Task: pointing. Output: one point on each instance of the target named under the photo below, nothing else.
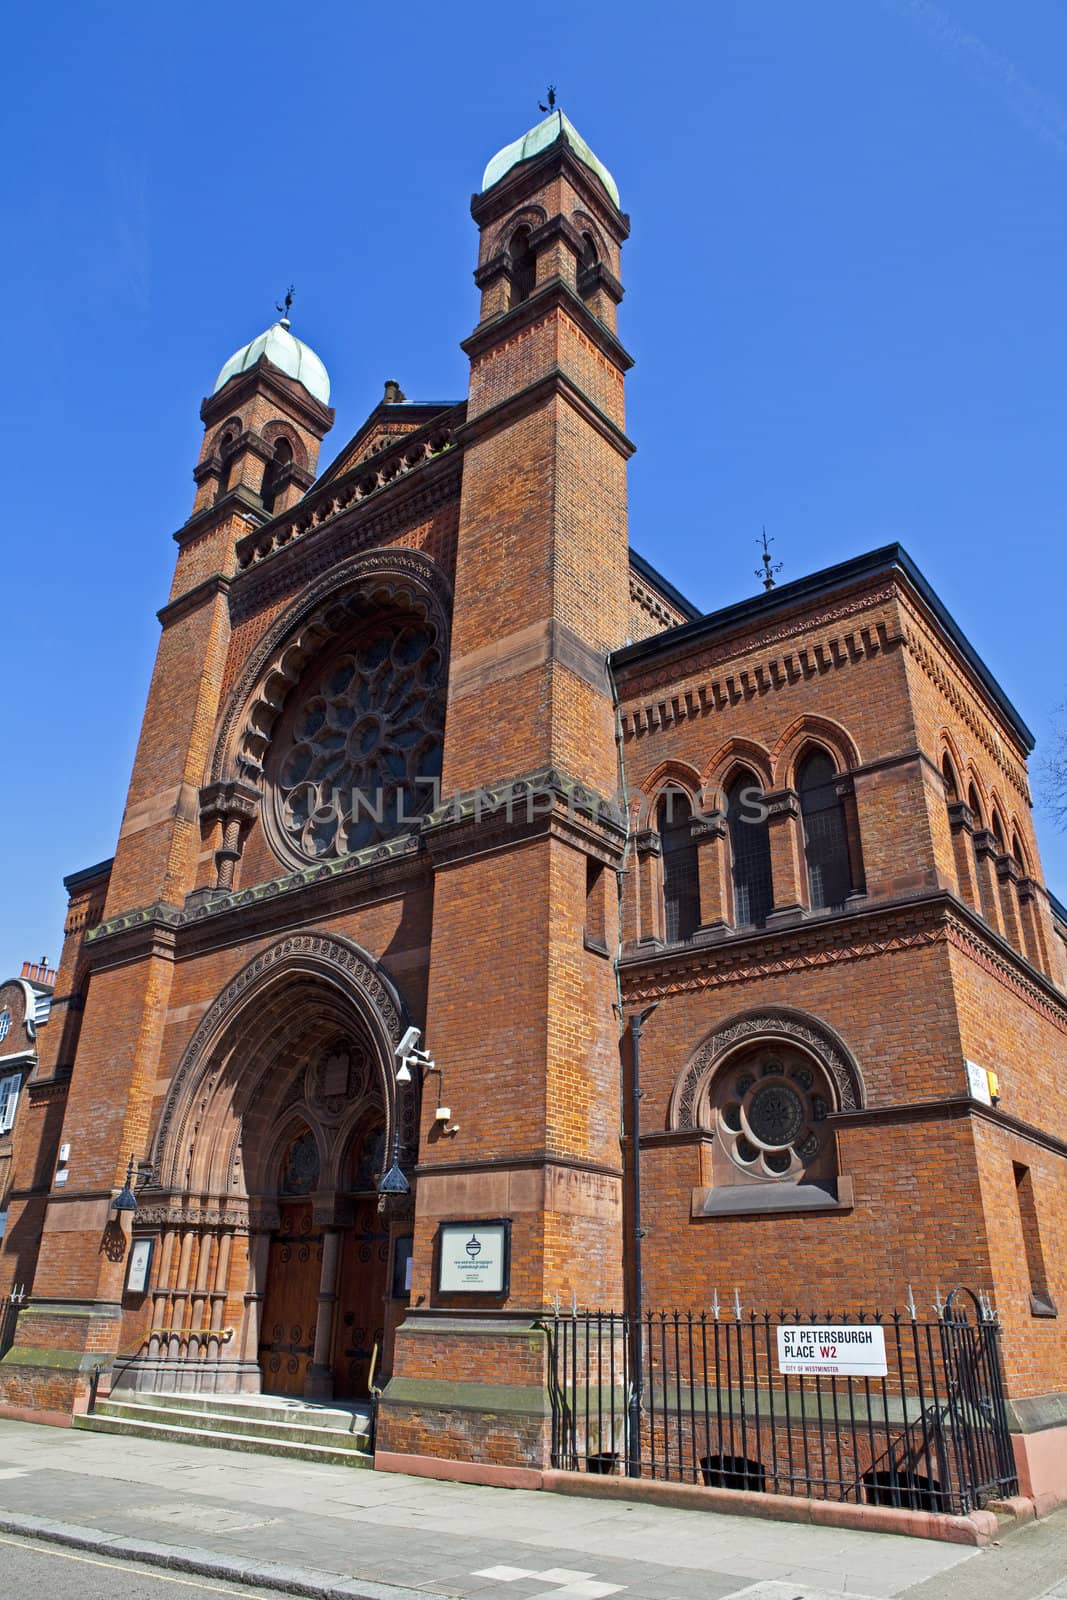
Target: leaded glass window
(825, 836)
(750, 852)
(681, 881)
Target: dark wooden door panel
(360, 1315)
(290, 1306)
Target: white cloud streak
(1040, 113)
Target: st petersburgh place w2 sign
(856, 1351)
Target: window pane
(681, 881)
(825, 839)
(750, 850)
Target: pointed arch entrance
(273, 1255)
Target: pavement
(256, 1524)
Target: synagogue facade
(428, 746)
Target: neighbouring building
(25, 1005)
(394, 707)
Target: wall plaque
(474, 1257)
(140, 1265)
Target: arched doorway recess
(274, 1250)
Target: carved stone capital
(784, 803)
(1009, 870)
(647, 842)
(236, 799)
(711, 826)
(960, 816)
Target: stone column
(845, 789)
(710, 834)
(258, 1256)
(318, 1385)
(986, 852)
(649, 852)
(1037, 925)
(961, 821)
(788, 868)
(1009, 874)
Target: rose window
(359, 748)
(771, 1115)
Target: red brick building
(394, 708)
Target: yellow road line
(45, 1549)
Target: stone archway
(278, 1123)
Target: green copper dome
(291, 356)
(546, 133)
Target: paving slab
(389, 1533)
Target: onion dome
(290, 355)
(555, 126)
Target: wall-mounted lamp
(125, 1200)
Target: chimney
(39, 972)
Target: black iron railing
(716, 1407)
(10, 1306)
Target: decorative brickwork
(455, 599)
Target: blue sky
(845, 296)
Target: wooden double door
(291, 1306)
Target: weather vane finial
(551, 106)
(769, 568)
(284, 308)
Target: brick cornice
(531, 1159)
(553, 296)
(534, 805)
(554, 382)
(279, 905)
(939, 661)
(266, 378)
(933, 917)
(949, 1108)
(200, 594)
(236, 502)
(526, 178)
(645, 711)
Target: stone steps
(269, 1426)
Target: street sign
(854, 1350)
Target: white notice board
(473, 1257)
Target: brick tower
(263, 425)
(520, 994)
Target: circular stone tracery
(769, 1114)
(359, 747)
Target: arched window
(274, 472)
(998, 834)
(523, 266)
(952, 788)
(587, 265)
(750, 852)
(227, 451)
(974, 806)
(825, 833)
(681, 882)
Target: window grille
(681, 879)
(825, 836)
(750, 852)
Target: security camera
(443, 1114)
